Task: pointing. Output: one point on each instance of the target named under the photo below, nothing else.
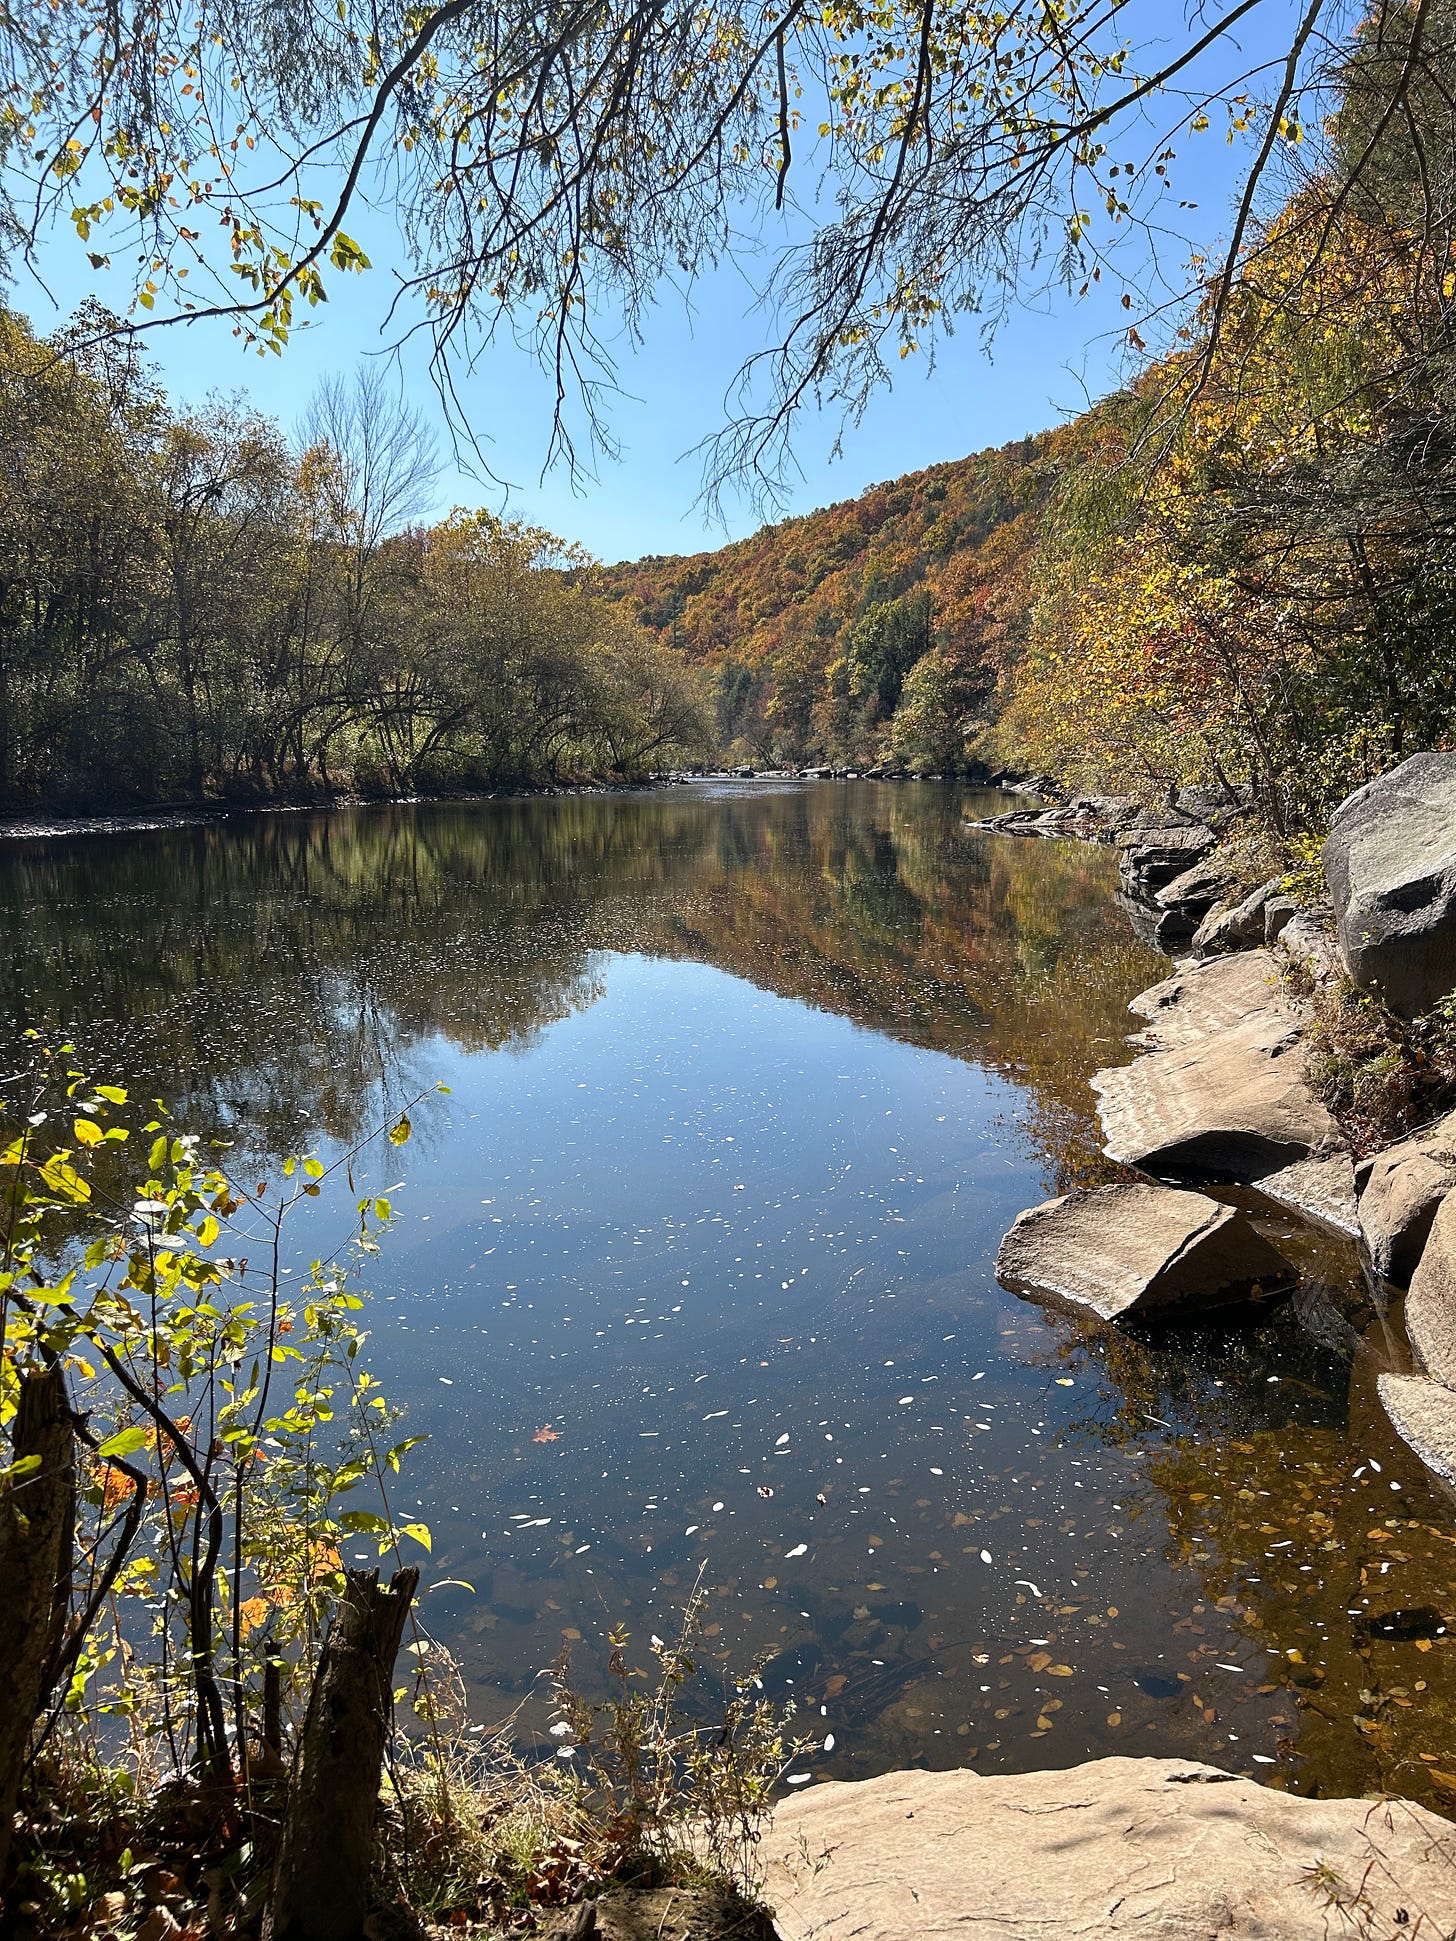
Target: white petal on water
(985, 1556)
(799, 1550)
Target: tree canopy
(552, 165)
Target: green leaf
(207, 1231)
(113, 1094)
(419, 1531)
(125, 1442)
(399, 1133)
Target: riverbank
(42, 823)
(31, 826)
(1234, 1082)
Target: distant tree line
(193, 605)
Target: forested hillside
(1241, 569)
(877, 627)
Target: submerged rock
(1400, 1190)
(1115, 1848)
(1390, 861)
(1220, 1092)
(1140, 1249)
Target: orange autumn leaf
(547, 1434)
(253, 1613)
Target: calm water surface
(693, 1273)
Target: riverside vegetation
(191, 607)
(188, 1451)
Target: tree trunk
(321, 1880)
(37, 1533)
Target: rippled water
(693, 1269)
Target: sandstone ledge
(1159, 1848)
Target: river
(692, 1274)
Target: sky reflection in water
(693, 1268)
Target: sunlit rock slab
(1423, 1414)
(1140, 1249)
(1220, 1091)
(1117, 1847)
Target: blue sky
(1052, 356)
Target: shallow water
(692, 1275)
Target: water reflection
(695, 1272)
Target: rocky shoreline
(1219, 1093)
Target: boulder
(1221, 1091)
(1166, 1849)
(1279, 910)
(1322, 1190)
(1423, 1414)
(1185, 901)
(1196, 888)
(1430, 1306)
(1140, 1249)
(1152, 858)
(1306, 939)
(1238, 926)
(1400, 1190)
(1390, 861)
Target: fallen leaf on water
(1060, 1671)
(1039, 1660)
(835, 1685)
(547, 1434)
(770, 1583)
(1114, 1718)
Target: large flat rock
(1140, 1249)
(1423, 1414)
(1221, 1091)
(1400, 1190)
(1390, 861)
(1162, 1849)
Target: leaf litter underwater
(692, 1276)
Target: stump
(321, 1878)
(37, 1533)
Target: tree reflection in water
(1191, 1547)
